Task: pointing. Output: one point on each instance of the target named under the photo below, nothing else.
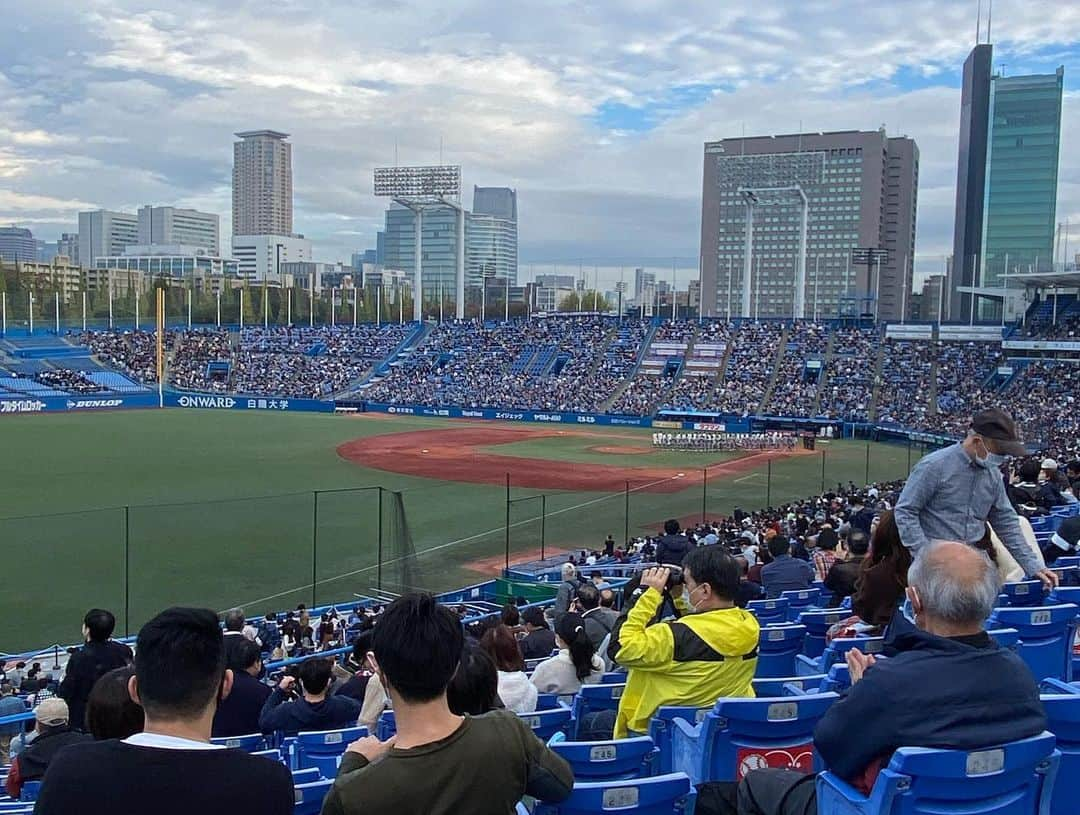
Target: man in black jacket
(53, 734)
(313, 710)
(979, 695)
(95, 659)
(539, 640)
(238, 713)
(673, 545)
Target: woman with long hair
(577, 662)
(516, 691)
(879, 589)
(474, 689)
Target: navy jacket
(86, 666)
(934, 692)
(333, 713)
(238, 714)
(672, 549)
(785, 573)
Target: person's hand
(655, 578)
(857, 663)
(371, 748)
(1048, 577)
(286, 683)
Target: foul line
(447, 545)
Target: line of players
(714, 442)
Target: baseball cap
(1049, 464)
(997, 425)
(52, 712)
(872, 492)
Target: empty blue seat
(774, 686)
(839, 678)
(592, 698)
(386, 726)
(836, 652)
(660, 727)
(800, 600)
(613, 678)
(1063, 720)
(778, 646)
(739, 735)
(546, 723)
(323, 749)
(769, 611)
(1011, 779)
(1046, 637)
(274, 754)
(305, 776)
(817, 625)
(308, 798)
(670, 794)
(550, 701)
(249, 743)
(1068, 560)
(608, 760)
(1024, 593)
(1005, 637)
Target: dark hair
(589, 596)
(890, 559)
(1029, 470)
(360, 647)
(474, 688)
(743, 564)
(510, 615)
(111, 713)
(858, 543)
(418, 646)
(671, 527)
(243, 656)
(502, 646)
(571, 630)
(607, 598)
(100, 624)
(779, 545)
(315, 675)
(712, 565)
(179, 662)
(534, 616)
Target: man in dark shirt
(539, 640)
(673, 545)
(844, 573)
(234, 633)
(785, 573)
(748, 589)
(238, 713)
(170, 768)
(313, 710)
(95, 659)
(438, 761)
(52, 735)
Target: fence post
(543, 522)
(909, 454)
(823, 472)
(127, 571)
(768, 485)
(314, 546)
(867, 480)
(378, 573)
(508, 521)
(704, 492)
(626, 515)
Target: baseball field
(138, 510)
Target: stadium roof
(1067, 279)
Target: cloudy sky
(595, 111)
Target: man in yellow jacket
(695, 660)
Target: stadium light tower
(776, 197)
(419, 189)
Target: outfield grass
(220, 511)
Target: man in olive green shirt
(439, 763)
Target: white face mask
(686, 595)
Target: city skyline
(603, 145)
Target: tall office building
(17, 244)
(644, 282)
(1006, 184)
(103, 233)
(262, 257)
(857, 189)
(262, 184)
(555, 281)
(68, 246)
(491, 249)
(186, 227)
(498, 201)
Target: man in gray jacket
(567, 592)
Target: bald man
(949, 685)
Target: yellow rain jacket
(691, 661)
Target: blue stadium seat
(661, 795)
(660, 727)
(249, 743)
(1024, 593)
(744, 734)
(1063, 720)
(613, 678)
(308, 798)
(838, 680)
(608, 760)
(592, 698)
(323, 749)
(273, 755)
(837, 652)
(30, 791)
(774, 686)
(546, 723)
(305, 776)
(1006, 637)
(769, 611)
(800, 600)
(386, 726)
(817, 625)
(1012, 779)
(1046, 637)
(778, 645)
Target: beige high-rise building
(262, 184)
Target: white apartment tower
(262, 184)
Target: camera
(675, 576)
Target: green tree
(584, 301)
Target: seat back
(777, 647)
(1063, 720)
(274, 754)
(608, 760)
(800, 600)
(839, 678)
(670, 794)
(386, 726)
(1012, 779)
(769, 611)
(249, 743)
(613, 678)
(1024, 593)
(660, 727)
(1005, 637)
(774, 686)
(1046, 637)
(323, 749)
(305, 776)
(546, 723)
(308, 798)
(817, 625)
(30, 791)
(592, 698)
(549, 701)
(740, 735)
(837, 649)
